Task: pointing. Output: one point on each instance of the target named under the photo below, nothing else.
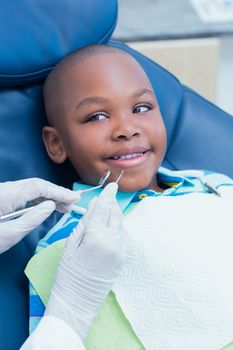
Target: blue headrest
(39, 35)
(35, 35)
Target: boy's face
(111, 120)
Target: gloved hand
(86, 272)
(15, 194)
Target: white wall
(225, 75)
(206, 65)
(195, 62)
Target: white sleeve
(53, 333)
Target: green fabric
(228, 347)
(110, 330)
(42, 267)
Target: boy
(172, 294)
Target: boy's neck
(157, 188)
(156, 185)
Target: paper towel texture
(176, 287)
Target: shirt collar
(167, 175)
(124, 198)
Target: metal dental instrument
(119, 177)
(80, 210)
(21, 212)
(101, 182)
(15, 214)
(80, 238)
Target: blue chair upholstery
(39, 35)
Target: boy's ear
(53, 144)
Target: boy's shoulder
(215, 178)
(193, 180)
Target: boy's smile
(128, 157)
(110, 120)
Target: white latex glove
(15, 195)
(86, 273)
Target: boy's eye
(142, 108)
(96, 117)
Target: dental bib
(176, 286)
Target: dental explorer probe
(21, 212)
(80, 210)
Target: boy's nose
(125, 129)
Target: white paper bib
(176, 287)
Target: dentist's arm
(84, 277)
(15, 195)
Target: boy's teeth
(128, 156)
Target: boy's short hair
(53, 87)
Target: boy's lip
(128, 157)
(127, 151)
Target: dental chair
(34, 36)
